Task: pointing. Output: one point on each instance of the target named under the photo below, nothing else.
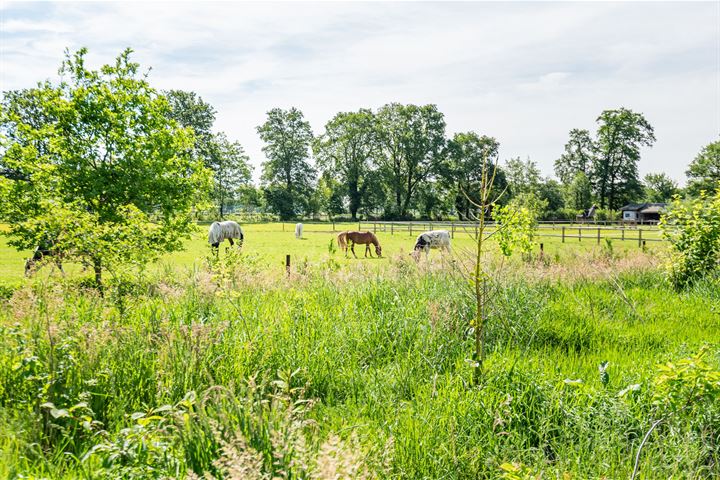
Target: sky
(525, 73)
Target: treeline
(397, 162)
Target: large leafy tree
(704, 170)
(287, 174)
(659, 187)
(577, 158)
(346, 149)
(621, 135)
(188, 109)
(411, 143)
(100, 170)
(578, 195)
(231, 168)
(523, 177)
(467, 153)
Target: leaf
(137, 415)
(59, 413)
(630, 388)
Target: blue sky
(525, 73)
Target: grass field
(359, 368)
(272, 241)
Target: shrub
(693, 229)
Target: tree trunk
(97, 267)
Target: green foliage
(693, 229)
(462, 171)
(346, 150)
(614, 174)
(287, 176)
(517, 224)
(411, 140)
(578, 194)
(578, 157)
(659, 188)
(523, 177)
(104, 174)
(687, 384)
(704, 171)
(231, 168)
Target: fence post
(392, 228)
(333, 226)
(639, 237)
(452, 229)
(598, 235)
(623, 233)
(287, 264)
(542, 249)
(374, 227)
(563, 234)
(580, 234)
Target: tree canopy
(287, 176)
(99, 167)
(704, 171)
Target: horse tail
(341, 240)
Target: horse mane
(374, 239)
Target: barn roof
(643, 207)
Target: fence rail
(565, 231)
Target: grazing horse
(433, 239)
(298, 230)
(227, 230)
(362, 238)
(587, 214)
(45, 249)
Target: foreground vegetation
(231, 371)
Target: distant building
(642, 212)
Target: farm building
(642, 212)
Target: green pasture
(271, 242)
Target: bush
(693, 229)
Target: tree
(231, 170)
(346, 150)
(287, 175)
(578, 195)
(467, 154)
(659, 187)
(614, 175)
(523, 177)
(189, 110)
(112, 180)
(704, 170)
(578, 156)
(411, 141)
(551, 192)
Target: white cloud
(525, 73)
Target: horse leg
(231, 242)
(367, 249)
(352, 248)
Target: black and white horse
(439, 239)
(227, 230)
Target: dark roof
(635, 207)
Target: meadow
(231, 368)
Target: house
(642, 212)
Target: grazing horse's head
(378, 250)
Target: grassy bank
(353, 371)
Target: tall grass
(230, 373)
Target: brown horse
(362, 238)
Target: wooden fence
(563, 231)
